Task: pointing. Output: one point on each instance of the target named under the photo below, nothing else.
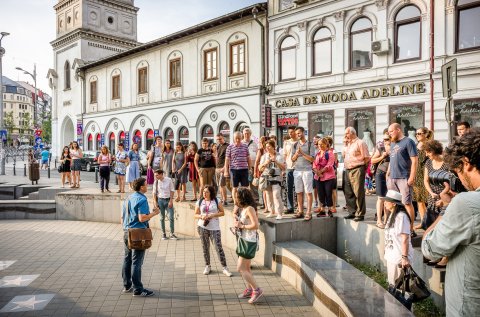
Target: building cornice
(94, 36)
(107, 3)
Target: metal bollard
(48, 171)
(116, 179)
(14, 171)
(55, 163)
(96, 174)
(25, 170)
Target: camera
(439, 177)
(271, 172)
(206, 222)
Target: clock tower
(86, 31)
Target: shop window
(175, 73)
(89, 142)
(149, 134)
(363, 120)
(116, 87)
(137, 138)
(288, 62)
(111, 142)
(408, 34)
(360, 44)
(224, 129)
(121, 139)
(468, 25)
(322, 52)
(284, 121)
(210, 64)
(183, 135)
(468, 111)
(207, 132)
(240, 126)
(98, 143)
(237, 58)
(410, 118)
(168, 135)
(320, 124)
(66, 72)
(142, 80)
(93, 91)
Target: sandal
(380, 225)
(334, 210)
(419, 226)
(298, 215)
(308, 218)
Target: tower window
(110, 20)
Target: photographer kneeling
(457, 233)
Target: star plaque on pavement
(17, 280)
(27, 303)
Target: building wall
(301, 22)
(20, 103)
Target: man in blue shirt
(45, 155)
(135, 214)
(402, 168)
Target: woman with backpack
(208, 210)
(154, 159)
(179, 169)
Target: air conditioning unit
(381, 47)
(298, 2)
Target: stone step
(50, 192)
(27, 209)
(33, 196)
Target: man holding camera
(457, 234)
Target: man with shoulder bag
(135, 217)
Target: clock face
(285, 4)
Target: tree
(9, 124)
(47, 129)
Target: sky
(31, 24)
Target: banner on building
(156, 133)
(102, 139)
(267, 116)
(127, 140)
(285, 120)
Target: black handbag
(60, 168)
(409, 288)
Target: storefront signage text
(371, 93)
(285, 120)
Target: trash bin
(34, 172)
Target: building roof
(229, 17)
(8, 82)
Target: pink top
(105, 159)
(321, 162)
(356, 154)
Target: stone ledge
(28, 209)
(334, 287)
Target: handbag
(410, 282)
(60, 168)
(255, 182)
(139, 238)
(246, 249)
(150, 176)
(262, 183)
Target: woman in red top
(192, 171)
(324, 176)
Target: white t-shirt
(278, 171)
(209, 207)
(393, 239)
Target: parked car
(89, 160)
(340, 169)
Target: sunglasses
(419, 133)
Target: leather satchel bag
(246, 249)
(139, 238)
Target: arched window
(121, 138)
(468, 25)
(207, 132)
(240, 126)
(360, 44)
(408, 34)
(98, 142)
(137, 138)
(111, 142)
(89, 142)
(322, 52)
(149, 134)
(224, 129)
(66, 72)
(288, 58)
(183, 135)
(168, 135)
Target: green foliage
(9, 124)
(47, 129)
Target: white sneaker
(227, 272)
(207, 270)
(279, 217)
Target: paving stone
(80, 262)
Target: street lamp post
(2, 151)
(34, 76)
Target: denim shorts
(239, 177)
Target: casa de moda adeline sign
(351, 95)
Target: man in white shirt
(163, 190)
(287, 154)
(252, 149)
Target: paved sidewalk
(73, 268)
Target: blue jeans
(290, 191)
(132, 267)
(163, 204)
